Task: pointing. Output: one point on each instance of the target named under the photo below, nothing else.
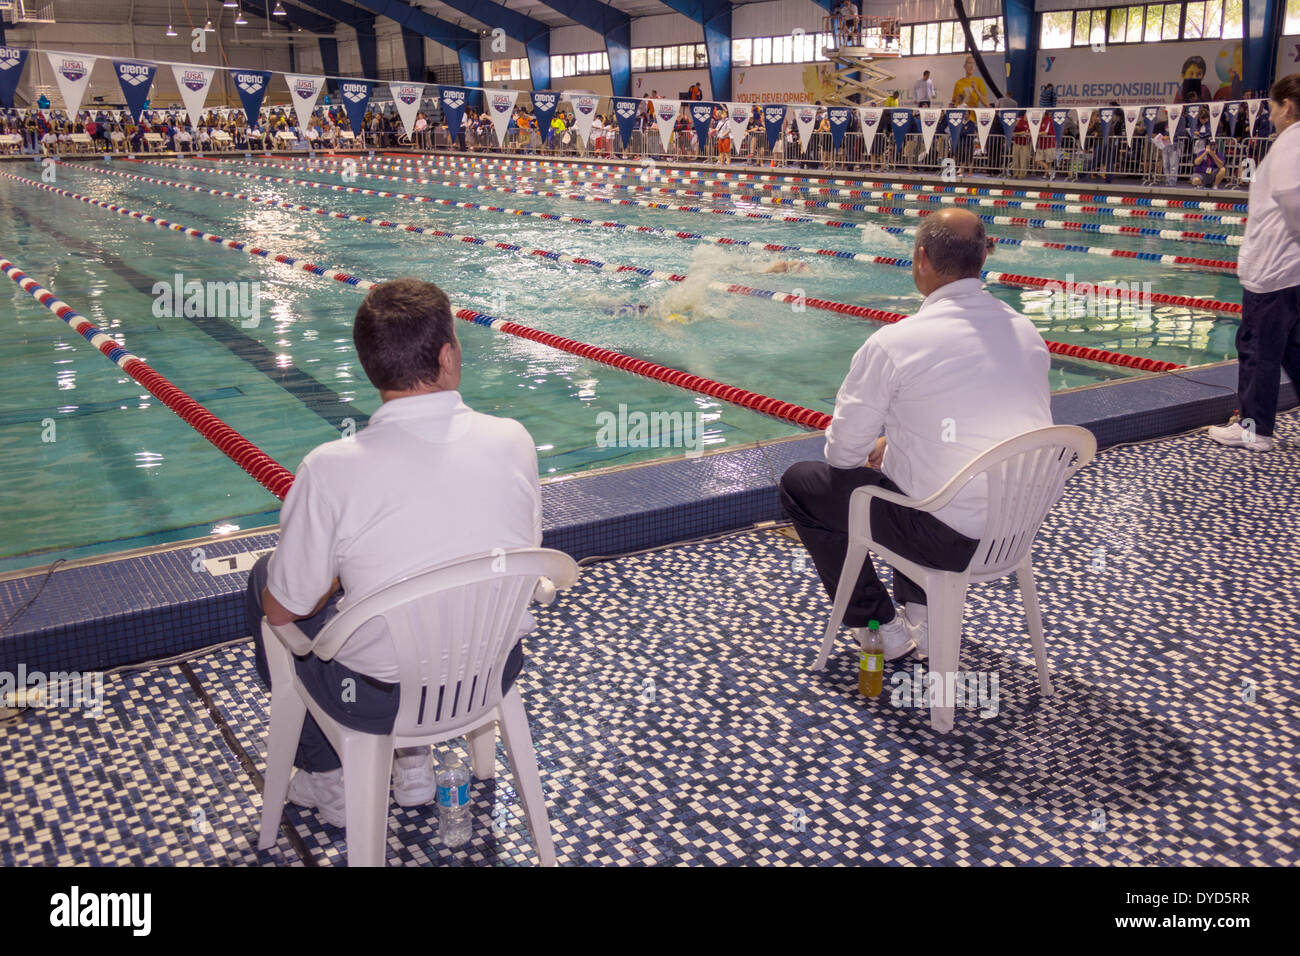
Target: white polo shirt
(963, 373)
(924, 91)
(1269, 258)
(427, 481)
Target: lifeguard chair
(859, 44)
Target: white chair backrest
(452, 628)
(1026, 476)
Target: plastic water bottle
(454, 823)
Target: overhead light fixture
(240, 21)
(170, 32)
(231, 4)
(279, 10)
(208, 27)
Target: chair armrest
(292, 637)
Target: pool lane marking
(465, 169)
(633, 167)
(267, 471)
(1214, 265)
(764, 404)
(1008, 279)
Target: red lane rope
(268, 472)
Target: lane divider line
(764, 404)
(273, 476)
(1008, 279)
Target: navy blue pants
(816, 497)
(369, 705)
(1268, 340)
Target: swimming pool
(95, 464)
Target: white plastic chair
(452, 628)
(1026, 476)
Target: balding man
(963, 373)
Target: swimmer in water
(787, 265)
(644, 308)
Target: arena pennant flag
(805, 118)
(303, 91)
(956, 125)
(407, 97)
(929, 124)
(11, 71)
(738, 121)
(838, 117)
(901, 120)
(1059, 119)
(869, 119)
(453, 108)
(773, 123)
(1149, 116)
(983, 124)
(1009, 119)
(584, 112)
(1035, 118)
(1131, 116)
(1106, 117)
(194, 83)
(501, 107)
(136, 79)
(702, 119)
(665, 112)
(1216, 114)
(72, 73)
(1085, 117)
(1234, 110)
(544, 104)
(625, 111)
(356, 97)
(252, 89)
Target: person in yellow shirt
(970, 89)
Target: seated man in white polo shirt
(963, 373)
(427, 481)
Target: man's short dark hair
(955, 253)
(399, 332)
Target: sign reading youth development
(11, 71)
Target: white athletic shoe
(322, 792)
(898, 638)
(413, 783)
(920, 632)
(1234, 436)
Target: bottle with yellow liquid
(871, 662)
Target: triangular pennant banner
(584, 113)
(901, 121)
(1175, 111)
(984, 123)
(452, 99)
(838, 117)
(1059, 119)
(1131, 116)
(1085, 117)
(869, 119)
(1252, 107)
(738, 120)
(136, 79)
(194, 83)
(501, 109)
(252, 89)
(11, 71)
(356, 97)
(303, 91)
(72, 73)
(805, 118)
(1106, 117)
(1216, 114)
(956, 126)
(544, 104)
(626, 109)
(929, 124)
(665, 112)
(702, 120)
(1009, 119)
(1035, 118)
(773, 123)
(407, 97)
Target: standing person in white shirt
(1268, 267)
(924, 90)
(426, 482)
(965, 372)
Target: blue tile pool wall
(103, 615)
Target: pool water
(95, 464)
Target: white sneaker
(1234, 436)
(920, 632)
(413, 782)
(322, 792)
(898, 639)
